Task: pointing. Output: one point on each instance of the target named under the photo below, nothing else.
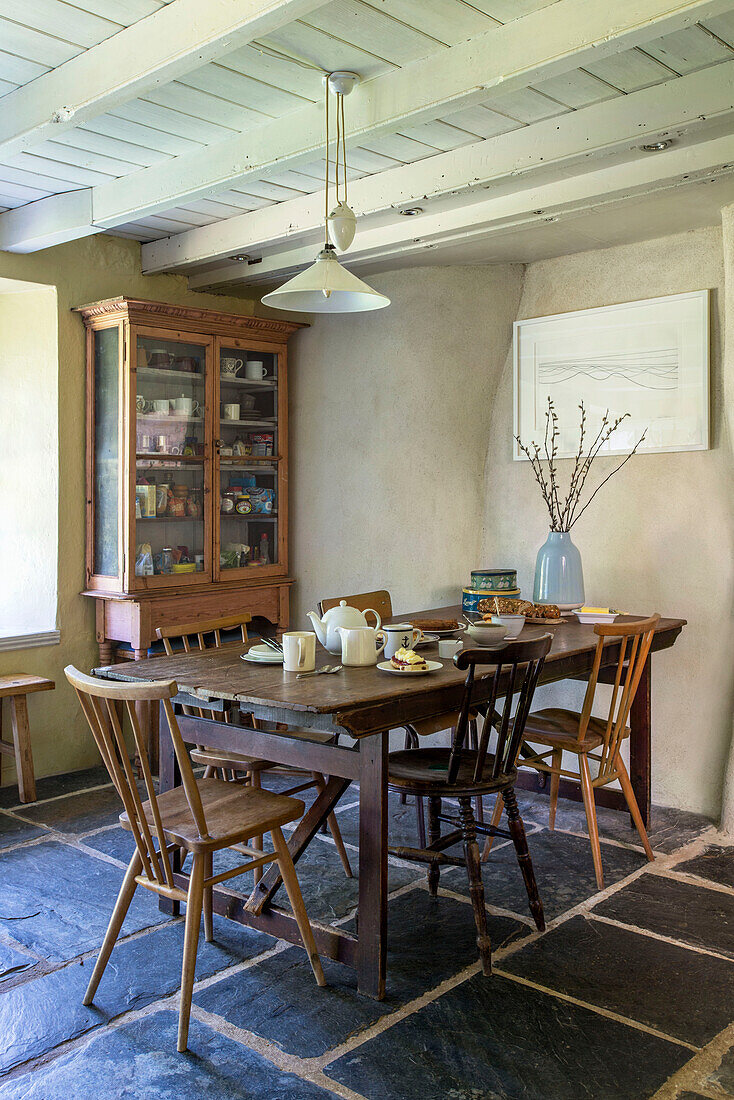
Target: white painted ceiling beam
(543, 43)
(691, 102)
(31, 228)
(481, 219)
(172, 41)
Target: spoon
(319, 671)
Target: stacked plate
(262, 655)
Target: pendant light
(326, 286)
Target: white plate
(427, 639)
(589, 617)
(387, 666)
(444, 633)
(262, 655)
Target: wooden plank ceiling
(279, 74)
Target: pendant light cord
(326, 183)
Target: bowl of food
(513, 624)
(487, 632)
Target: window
(29, 465)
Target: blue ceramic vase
(559, 577)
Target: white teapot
(342, 615)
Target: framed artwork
(649, 359)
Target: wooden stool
(16, 687)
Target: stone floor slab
(13, 831)
(428, 941)
(12, 963)
(54, 785)
(117, 842)
(641, 978)
(563, 869)
(491, 1038)
(58, 900)
(140, 1060)
(41, 1013)
(76, 813)
(715, 863)
(691, 914)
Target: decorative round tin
(501, 581)
(470, 597)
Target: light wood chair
(16, 687)
(463, 773)
(381, 602)
(231, 765)
(590, 738)
(202, 816)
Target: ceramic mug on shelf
(299, 651)
(230, 412)
(186, 406)
(161, 406)
(231, 367)
(140, 403)
(255, 370)
(400, 635)
(359, 644)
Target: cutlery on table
(267, 632)
(319, 671)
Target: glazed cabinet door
(171, 455)
(105, 458)
(250, 469)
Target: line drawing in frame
(648, 358)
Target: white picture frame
(648, 358)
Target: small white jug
(359, 644)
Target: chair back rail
(98, 699)
(635, 640)
(514, 661)
(379, 601)
(204, 635)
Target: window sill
(29, 641)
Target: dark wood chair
(381, 602)
(589, 738)
(464, 773)
(230, 765)
(201, 816)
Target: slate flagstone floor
(628, 994)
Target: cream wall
(659, 536)
(98, 267)
(388, 435)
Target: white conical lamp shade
(326, 287)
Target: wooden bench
(16, 687)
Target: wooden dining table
(359, 706)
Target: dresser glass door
(171, 455)
(248, 459)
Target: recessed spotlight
(411, 211)
(656, 146)
(240, 257)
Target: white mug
(162, 407)
(255, 370)
(299, 651)
(230, 366)
(186, 406)
(401, 635)
(359, 644)
(231, 412)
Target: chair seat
(425, 771)
(233, 814)
(560, 729)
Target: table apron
(278, 747)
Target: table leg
(640, 744)
(169, 776)
(372, 912)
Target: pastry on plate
(407, 660)
(547, 611)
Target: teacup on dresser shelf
(230, 367)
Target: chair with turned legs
(201, 817)
(593, 739)
(464, 773)
(231, 765)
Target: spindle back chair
(596, 739)
(200, 816)
(465, 772)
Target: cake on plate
(407, 660)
